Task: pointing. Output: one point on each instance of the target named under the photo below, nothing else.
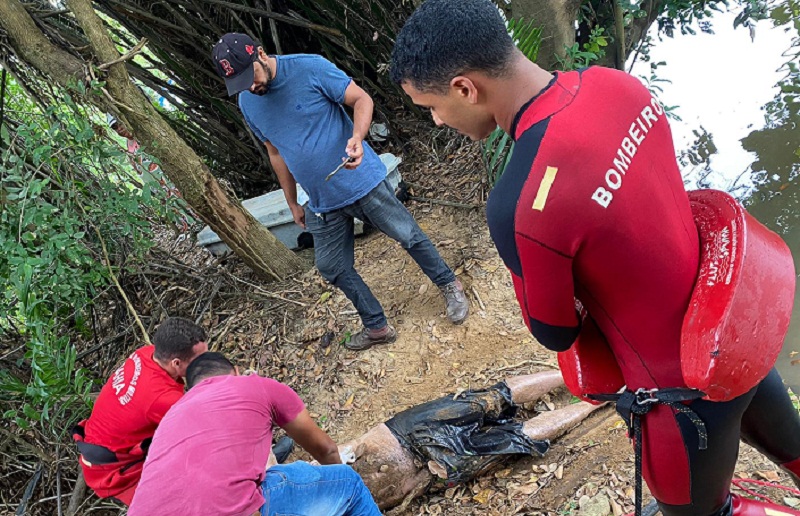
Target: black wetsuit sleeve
(554, 338)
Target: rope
(739, 481)
(632, 406)
(637, 454)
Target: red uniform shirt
(127, 411)
(592, 206)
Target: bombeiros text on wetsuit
(627, 150)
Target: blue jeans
(334, 247)
(300, 489)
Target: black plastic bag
(467, 433)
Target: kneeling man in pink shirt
(209, 454)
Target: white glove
(347, 455)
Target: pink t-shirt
(210, 451)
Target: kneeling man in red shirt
(114, 440)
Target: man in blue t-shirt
(294, 104)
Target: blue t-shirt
(303, 118)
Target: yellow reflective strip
(544, 188)
(773, 512)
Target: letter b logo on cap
(226, 67)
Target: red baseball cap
(234, 55)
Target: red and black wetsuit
(592, 207)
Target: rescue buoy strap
(632, 405)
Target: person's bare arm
(361, 102)
(312, 439)
(288, 184)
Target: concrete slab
(272, 211)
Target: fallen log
(456, 438)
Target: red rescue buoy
(589, 366)
(739, 312)
(738, 315)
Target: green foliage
(66, 189)
(60, 183)
(754, 10)
(569, 508)
(582, 55)
(787, 13)
(496, 150)
(654, 82)
(680, 14)
(597, 23)
(526, 36)
(57, 393)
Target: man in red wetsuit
(592, 207)
(113, 442)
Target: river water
(736, 132)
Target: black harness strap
(632, 406)
(94, 453)
(100, 455)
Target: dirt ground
(293, 332)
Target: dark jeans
(334, 247)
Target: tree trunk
(257, 247)
(25, 35)
(634, 34)
(557, 21)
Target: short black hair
(207, 365)
(445, 38)
(175, 338)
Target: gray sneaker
(365, 339)
(456, 303)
